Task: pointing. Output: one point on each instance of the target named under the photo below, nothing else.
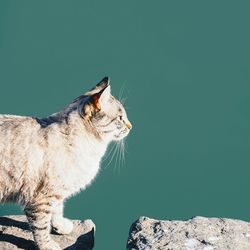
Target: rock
(15, 234)
(194, 234)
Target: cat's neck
(74, 128)
(63, 115)
(83, 131)
(69, 122)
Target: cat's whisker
(123, 152)
(126, 106)
(109, 162)
(123, 100)
(117, 152)
(121, 90)
(110, 149)
(114, 150)
(119, 158)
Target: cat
(45, 161)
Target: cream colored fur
(45, 161)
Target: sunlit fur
(45, 161)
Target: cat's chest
(84, 163)
(75, 162)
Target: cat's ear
(100, 99)
(103, 83)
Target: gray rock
(198, 233)
(15, 234)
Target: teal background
(184, 66)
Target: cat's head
(106, 114)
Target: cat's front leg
(60, 224)
(39, 217)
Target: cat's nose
(128, 125)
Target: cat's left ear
(101, 99)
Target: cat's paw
(51, 245)
(62, 226)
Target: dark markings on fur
(42, 210)
(99, 116)
(39, 228)
(46, 238)
(42, 217)
(103, 126)
(36, 210)
(108, 131)
(56, 196)
(30, 216)
(40, 186)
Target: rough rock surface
(15, 234)
(194, 234)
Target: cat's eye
(120, 117)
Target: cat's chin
(120, 136)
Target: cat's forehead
(117, 103)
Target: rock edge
(194, 234)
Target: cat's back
(16, 133)
(6, 119)
(16, 126)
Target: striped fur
(45, 161)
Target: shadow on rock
(15, 234)
(85, 241)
